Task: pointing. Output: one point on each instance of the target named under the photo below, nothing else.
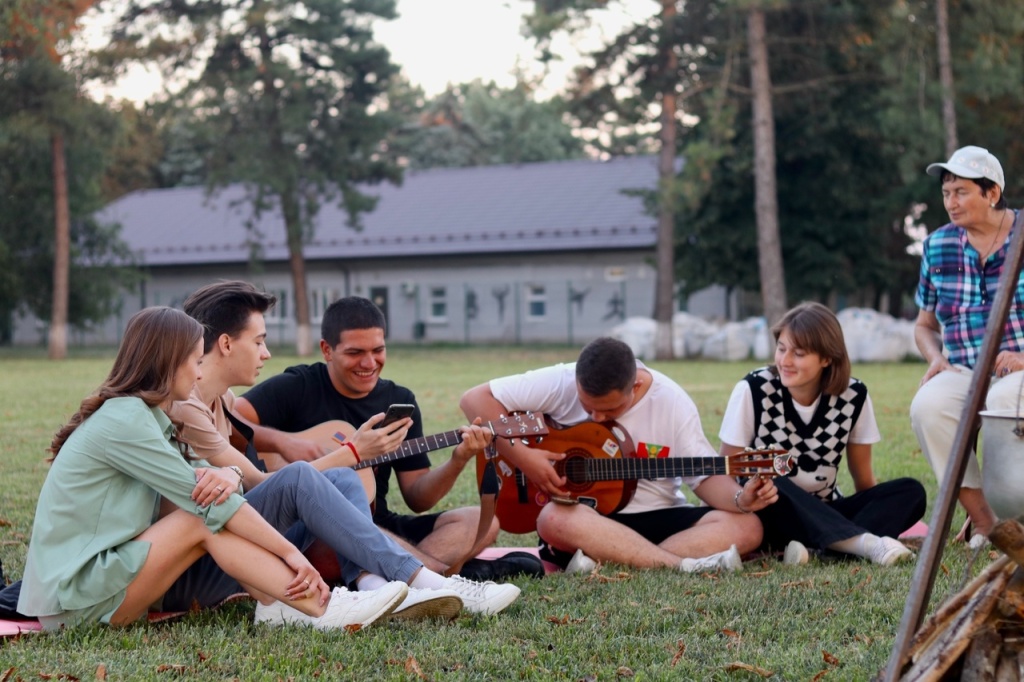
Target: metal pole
(942, 513)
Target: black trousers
(886, 509)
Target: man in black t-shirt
(348, 386)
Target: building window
(438, 304)
(319, 299)
(279, 312)
(536, 302)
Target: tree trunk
(946, 76)
(58, 335)
(769, 247)
(664, 296)
(297, 265)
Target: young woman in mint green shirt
(102, 551)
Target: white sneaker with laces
(796, 554)
(729, 560)
(426, 603)
(580, 563)
(346, 610)
(889, 552)
(485, 599)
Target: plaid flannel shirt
(959, 290)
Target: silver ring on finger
(219, 489)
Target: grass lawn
(790, 623)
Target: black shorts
(410, 527)
(656, 526)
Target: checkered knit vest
(817, 447)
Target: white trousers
(938, 407)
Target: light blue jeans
(305, 504)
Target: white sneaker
(485, 599)
(350, 611)
(729, 560)
(977, 542)
(426, 603)
(796, 554)
(889, 551)
(580, 563)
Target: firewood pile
(978, 634)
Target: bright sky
(438, 42)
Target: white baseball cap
(971, 162)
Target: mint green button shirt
(102, 491)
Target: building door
(379, 296)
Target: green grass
(650, 624)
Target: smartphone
(394, 413)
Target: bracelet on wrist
(736, 501)
(241, 476)
(355, 453)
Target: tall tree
(288, 93)
(766, 200)
(946, 75)
(631, 83)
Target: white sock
(859, 545)
(428, 580)
(370, 581)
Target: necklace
(995, 238)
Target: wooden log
(983, 654)
(944, 650)
(934, 625)
(1008, 536)
(1011, 602)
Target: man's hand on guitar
(474, 439)
(371, 442)
(539, 466)
(757, 493)
(302, 450)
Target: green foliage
(282, 100)
(478, 124)
(37, 97)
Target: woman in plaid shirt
(960, 271)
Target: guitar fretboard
(582, 470)
(415, 446)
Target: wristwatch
(241, 477)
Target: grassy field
(768, 621)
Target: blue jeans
(305, 504)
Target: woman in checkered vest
(808, 404)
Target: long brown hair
(157, 341)
(815, 329)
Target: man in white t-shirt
(658, 527)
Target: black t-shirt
(303, 396)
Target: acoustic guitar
(330, 434)
(601, 470)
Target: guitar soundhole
(575, 469)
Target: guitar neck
(635, 468)
(414, 446)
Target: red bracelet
(355, 453)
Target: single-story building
(555, 252)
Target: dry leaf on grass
(173, 668)
(7, 675)
(564, 620)
(680, 650)
(413, 666)
(101, 672)
(809, 582)
(820, 675)
(757, 574)
(623, 671)
(736, 665)
(829, 658)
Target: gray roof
(555, 206)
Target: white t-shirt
(665, 416)
(738, 426)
